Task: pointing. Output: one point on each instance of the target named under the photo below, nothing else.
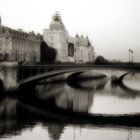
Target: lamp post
(130, 55)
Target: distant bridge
(13, 76)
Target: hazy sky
(113, 26)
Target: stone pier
(8, 75)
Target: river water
(89, 107)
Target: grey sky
(113, 26)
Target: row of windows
(25, 48)
(18, 57)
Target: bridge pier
(8, 75)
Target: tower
(57, 37)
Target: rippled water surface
(89, 107)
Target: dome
(56, 23)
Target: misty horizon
(113, 26)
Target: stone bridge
(13, 75)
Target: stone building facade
(57, 37)
(76, 49)
(19, 46)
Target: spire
(89, 44)
(57, 23)
(57, 16)
(77, 36)
(82, 36)
(86, 37)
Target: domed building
(69, 49)
(56, 23)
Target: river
(60, 109)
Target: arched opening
(26, 73)
(20, 74)
(1, 86)
(42, 70)
(50, 69)
(34, 72)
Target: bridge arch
(25, 73)
(33, 72)
(1, 85)
(130, 91)
(49, 74)
(42, 70)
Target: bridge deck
(73, 68)
(50, 74)
(130, 67)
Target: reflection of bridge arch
(134, 92)
(78, 80)
(20, 122)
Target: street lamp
(130, 55)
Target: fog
(113, 26)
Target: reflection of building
(75, 100)
(66, 97)
(17, 45)
(55, 131)
(50, 89)
(8, 108)
(69, 49)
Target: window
(70, 49)
(7, 56)
(1, 57)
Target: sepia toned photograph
(69, 69)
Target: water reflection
(88, 85)
(87, 81)
(56, 110)
(10, 118)
(79, 102)
(64, 97)
(16, 118)
(25, 120)
(55, 131)
(79, 98)
(49, 89)
(19, 117)
(96, 95)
